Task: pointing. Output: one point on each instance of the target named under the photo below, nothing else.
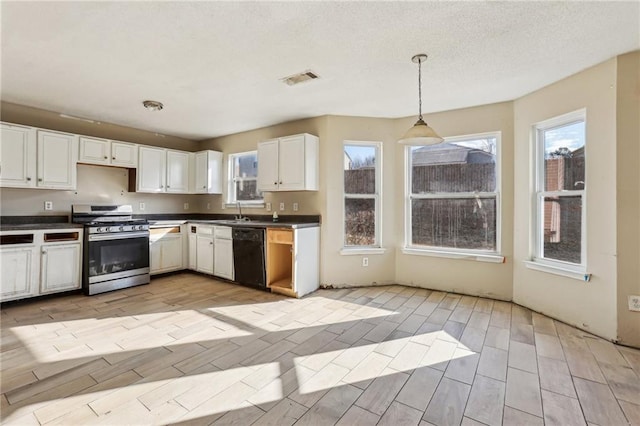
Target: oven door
(113, 256)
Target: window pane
(465, 223)
(360, 222)
(563, 228)
(564, 157)
(468, 166)
(359, 169)
(247, 190)
(244, 169)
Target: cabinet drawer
(223, 232)
(281, 236)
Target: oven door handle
(118, 236)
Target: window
(452, 199)
(560, 183)
(243, 178)
(362, 171)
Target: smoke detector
(300, 78)
(153, 105)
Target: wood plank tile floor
(188, 349)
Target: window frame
(452, 252)
(230, 199)
(539, 193)
(376, 247)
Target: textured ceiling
(217, 65)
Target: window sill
(244, 206)
(491, 258)
(362, 250)
(580, 275)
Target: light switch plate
(141, 206)
(186, 206)
(208, 206)
(268, 207)
(281, 207)
(634, 303)
(48, 205)
(295, 207)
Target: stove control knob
(99, 229)
(122, 228)
(113, 229)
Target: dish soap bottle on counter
(275, 216)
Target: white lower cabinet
(166, 249)
(223, 252)
(18, 276)
(204, 253)
(60, 267)
(40, 262)
(192, 248)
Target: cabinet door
(151, 169)
(124, 154)
(268, 166)
(94, 151)
(155, 256)
(17, 156)
(192, 252)
(201, 172)
(60, 267)
(223, 259)
(172, 252)
(177, 171)
(204, 254)
(291, 162)
(17, 274)
(57, 159)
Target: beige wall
(96, 184)
(309, 202)
(462, 276)
(628, 195)
(592, 305)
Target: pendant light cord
(420, 88)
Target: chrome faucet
(240, 217)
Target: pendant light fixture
(420, 134)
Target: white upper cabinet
(162, 170)
(56, 160)
(17, 156)
(94, 151)
(207, 173)
(108, 153)
(124, 154)
(177, 171)
(151, 169)
(288, 164)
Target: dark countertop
(34, 223)
(38, 226)
(256, 224)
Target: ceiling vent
(300, 78)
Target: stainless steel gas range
(116, 248)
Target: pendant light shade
(420, 134)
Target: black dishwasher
(248, 256)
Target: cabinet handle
(168, 186)
(204, 187)
(39, 179)
(280, 183)
(113, 158)
(275, 183)
(44, 252)
(105, 157)
(211, 243)
(28, 179)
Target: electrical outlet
(268, 207)
(281, 207)
(48, 205)
(634, 303)
(208, 206)
(295, 207)
(365, 261)
(186, 206)
(141, 206)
